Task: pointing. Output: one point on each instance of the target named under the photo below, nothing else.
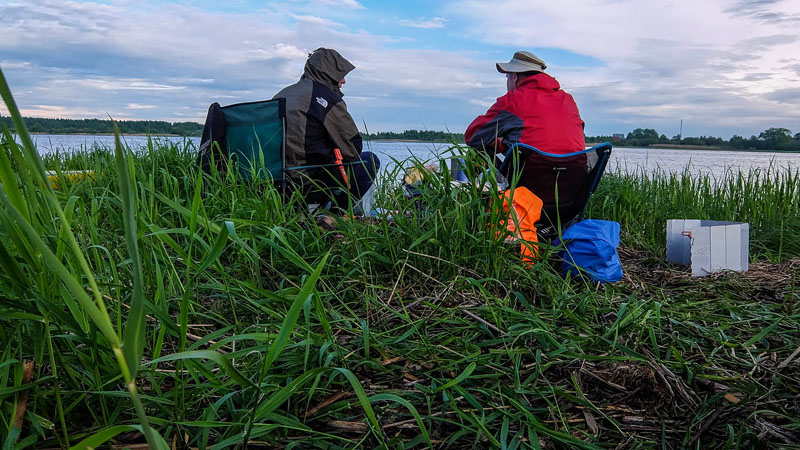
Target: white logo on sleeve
(322, 102)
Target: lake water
(624, 159)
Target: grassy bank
(151, 303)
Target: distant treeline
(417, 135)
(100, 126)
(771, 139)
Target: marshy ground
(204, 311)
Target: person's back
(536, 112)
(550, 119)
(317, 122)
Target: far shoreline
(412, 141)
(711, 148)
(43, 133)
(400, 141)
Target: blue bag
(591, 248)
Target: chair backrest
(255, 138)
(564, 182)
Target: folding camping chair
(561, 181)
(251, 138)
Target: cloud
(170, 49)
(313, 20)
(15, 65)
(762, 43)
(179, 59)
(435, 22)
(757, 76)
(351, 4)
(788, 96)
(117, 84)
(482, 103)
(58, 111)
(765, 11)
(793, 67)
(694, 60)
(723, 68)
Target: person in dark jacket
(317, 123)
(534, 111)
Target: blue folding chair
(564, 182)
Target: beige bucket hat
(522, 62)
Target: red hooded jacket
(537, 113)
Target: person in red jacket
(534, 111)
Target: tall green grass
(50, 279)
(768, 199)
(161, 305)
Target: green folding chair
(255, 137)
(250, 138)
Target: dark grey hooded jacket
(317, 120)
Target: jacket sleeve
(343, 131)
(495, 130)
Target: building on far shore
(618, 137)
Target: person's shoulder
(503, 99)
(294, 90)
(512, 99)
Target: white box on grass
(708, 245)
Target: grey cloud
(664, 80)
(708, 109)
(703, 78)
(57, 17)
(776, 18)
(76, 49)
(676, 65)
(13, 14)
(762, 43)
(664, 59)
(753, 3)
(761, 11)
(759, 76)
(243, 59)
(793, 67)
(789, 96)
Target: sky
(724, 67)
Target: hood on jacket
(541, 81)
(328, 67)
